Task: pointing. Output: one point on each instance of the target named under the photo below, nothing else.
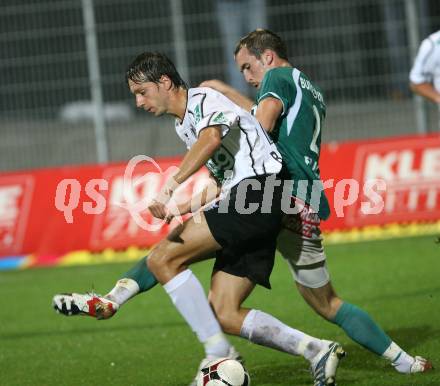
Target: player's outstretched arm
(207, 144)
(209, 141)
(230, 92)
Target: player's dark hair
(150, 67)
(260, 40)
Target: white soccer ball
(223, 371)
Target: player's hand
(169, 217)
(158, 209)
(163, 212)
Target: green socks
(141, 275)
(360, 327)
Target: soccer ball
(223, 371)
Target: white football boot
(89, 304)
(324, 367)
(421, 365)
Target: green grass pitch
(147, 342)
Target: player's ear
(267, 57)
(167, 82)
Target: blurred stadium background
(358, 51)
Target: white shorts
(300, 243)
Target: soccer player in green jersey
(291, 109)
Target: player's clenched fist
(158, 206)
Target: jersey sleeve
(424, 63)
(276, 85)
(210, 110)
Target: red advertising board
(49, 212)
(16, 194)
(408, 169)
(53, 211)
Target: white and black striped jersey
(426, 68)
(246, 149)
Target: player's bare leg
(227, 294)
(168, 261)
(323, 299)
(305, 256)
(188, 243)
(360, 327)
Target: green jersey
(297, 132)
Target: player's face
(149, 96)
(253, 69)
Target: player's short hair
(150, 67)
(260, 40)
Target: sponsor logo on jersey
(220, 118)
(197, 114)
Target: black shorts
(248, 240)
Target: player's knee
(227, 316)
(329, 308)
(153, 262)
(335, 304)
(159, 259)
(226, 321)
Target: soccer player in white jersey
(231, 143)
(425, 73)
(292, 109)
